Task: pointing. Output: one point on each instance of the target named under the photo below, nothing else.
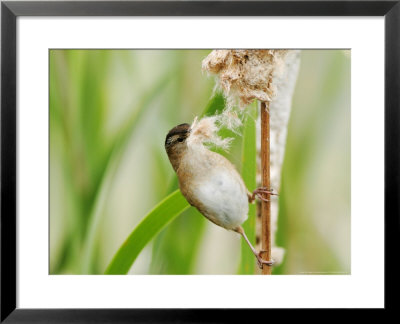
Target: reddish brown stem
(265, 182)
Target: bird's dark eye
(180, 139)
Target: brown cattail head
(245, 75)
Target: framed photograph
(186, 161)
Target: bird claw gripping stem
(260, 261)
(259, 192)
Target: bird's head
(175, 143)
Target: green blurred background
(109, 113)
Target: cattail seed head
(245, 75)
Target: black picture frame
(10, 11)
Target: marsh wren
(211, 183)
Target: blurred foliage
(109, 113)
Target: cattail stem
(265, 182)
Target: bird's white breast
(213, 185)
(224, 197)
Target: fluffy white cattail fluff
(205, 131)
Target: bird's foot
(259, 192)
(265, 190)
(261, 262)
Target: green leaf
(215, 105)
(152, 223)
(249, 169)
